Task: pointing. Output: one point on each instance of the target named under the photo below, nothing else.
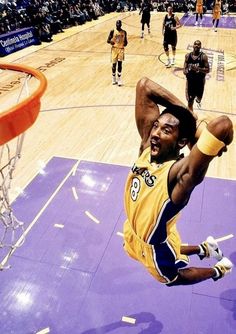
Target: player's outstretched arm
(149, 95)
(190, 171)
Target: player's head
(197, 46)
(173, 129)
(170, 10)
(187, 122)
(118, 24)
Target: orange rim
(20, 117)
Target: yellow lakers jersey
(118, 38)
(149, 209)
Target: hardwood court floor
(65, 278)
(84, 117)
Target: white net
(13, 89)
(10, 227)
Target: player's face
(169, 10)
(164, 138)
(118, 25)
(197, 47)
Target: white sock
(217, 273)
(202, 251)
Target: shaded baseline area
(72, 275)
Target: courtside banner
(17, 40)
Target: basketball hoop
(30, 85)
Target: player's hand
(195, 67)
(112, 42)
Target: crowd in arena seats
(50, 17)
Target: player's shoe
(211, 249)
(223, 267)
(168, 64)
(119, 81)
(172, 62)
(196, 23)
(114, 82)
(215, 30)
(200, 23)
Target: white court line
(75, 193)
(92, 217)
(129, 320)
(59, 225)
(190, 16)
(4, 261)
(44, 331)
(226, 237)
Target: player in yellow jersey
(118, 39)
(199, 11)
(216, 13)
(160, 183)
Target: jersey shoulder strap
(201, 56)
(189, 55)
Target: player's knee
(166, 48)
(173, 48)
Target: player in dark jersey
(170, 24)
(145, 10)
(196, 67)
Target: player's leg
(216, 25)
(119, 81)
(188, 94)
(199, 92)
(200, 19)
(114, 58)
(172, 257)
(196, 23)
(213, 21)
(173, 46)
(114, 82)
(208, 248)
(166, 49)
(142, 32)
(191, 275)
(148, 24)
